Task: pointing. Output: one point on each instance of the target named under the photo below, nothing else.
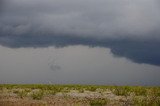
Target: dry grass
(78, 95)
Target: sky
(80, 41)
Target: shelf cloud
(129, 28)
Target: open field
(78, 95)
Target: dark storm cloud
(129, 28)
(91, 18)
(2, 3)
(146, 51)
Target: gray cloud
(146, 51)
(103, 18)
(128, 28)
(79, 65)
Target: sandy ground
(72, 98)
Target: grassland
(78, 95)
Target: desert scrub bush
(81, 90)
(99, 90)
(37, 95)
(50, 92)
(21, 93)
(65, 90)
(57, 89)
(155, 92)
(139, 91)
(146, 101)
(92, 88)
(1, 87)
(98, 102)
(121, 91)
(137, 101)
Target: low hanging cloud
(130, 28)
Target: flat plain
(77, 95)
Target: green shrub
(38, 95)
(91, 88)
(81, 90)
(51, 92)
(21, 93)
(146, 101)
(140, 91)
(121, 91)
